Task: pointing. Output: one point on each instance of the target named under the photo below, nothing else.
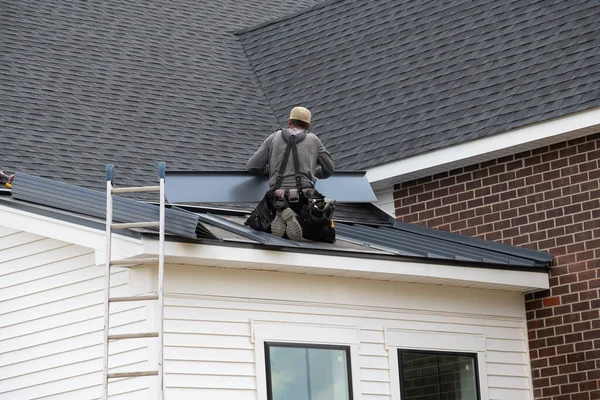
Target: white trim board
(484, 149)
(349, 267)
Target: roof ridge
(286, 17)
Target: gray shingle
(388, 79)
(83, 84)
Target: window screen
(301, 372)
(438, 376)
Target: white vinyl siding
(216, 320)
(385, 200)
(51, 308)
(211, 339)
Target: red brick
(562, 309)
(579, 178)
(514, 165)
(590, 335)
(565, 349)
(557, 360)
(564, 329)
(542, 382)
(549, 371)
(551, 301)
(577, 377)
(589, 385)
(569, 319)
(582, 326)
(572, 338)
(558, 290)
(589, 295)
(555, 341)
(550, 391)
(586, 365)
(583, 306)
(559, 380)
(570, 388)
(579, 286)
(584, 346)
(544, 333)
(568, 279)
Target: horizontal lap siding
(209, 349)
(51, 323)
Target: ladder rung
(133, 261)
(133, 298)
(136, 189)
(133, 336)
(131, 374)
(149, 224)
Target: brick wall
(547, 199)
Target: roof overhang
(484, 149)
(290, 261)
(348, 267)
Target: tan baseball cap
(301, 114)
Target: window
(438, 376)
(307, 372)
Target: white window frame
(445, 342)
(303, 333)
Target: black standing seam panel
(424, 246)
(92, 203)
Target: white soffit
(487, 148)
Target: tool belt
(282, 198)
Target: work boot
(278, 225)
(293, 228)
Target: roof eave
(490, 147)
(256, 258)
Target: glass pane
(288, 373)
(457, 378)
(308, 374)
(429, 376)
(420, 375)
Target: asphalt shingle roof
(85, 83)
(388, 79)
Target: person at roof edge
(290, 192)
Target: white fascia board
(487, 148)
(332, 265)
(67, 232)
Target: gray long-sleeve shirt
(315, 161)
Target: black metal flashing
(89, 202)
(428, 244)
(244, 187)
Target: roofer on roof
(292, 183)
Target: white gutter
(487, 148)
